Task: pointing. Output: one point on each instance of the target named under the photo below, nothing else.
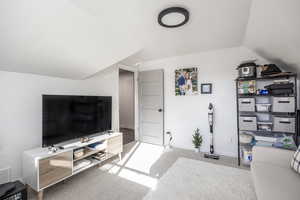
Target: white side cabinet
(42, 169)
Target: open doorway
(127, 105)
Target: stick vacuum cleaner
(211, 155)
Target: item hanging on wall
(211, 153)
(186, 81)
(206, 88)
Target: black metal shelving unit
(294, 114)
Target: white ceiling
(274, 32)
(67, 38)
(213, 24)
(77, 38)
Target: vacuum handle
(211, 129)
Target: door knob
(160, 110)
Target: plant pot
(197, 150)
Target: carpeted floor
(128, 135)
(129, 179)
(197, 180)
(95, 184)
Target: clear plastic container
(263, 107)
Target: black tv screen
(70, 117)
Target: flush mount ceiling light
(173, 17)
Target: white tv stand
(42, 169)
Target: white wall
(183, 114)
(21, 108)
(126, 99)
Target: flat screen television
(71, 117)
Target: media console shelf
(42, 169)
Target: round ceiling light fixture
(173, 17)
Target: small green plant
(197, 139)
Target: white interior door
(151, 107)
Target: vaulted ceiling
(67, 38)
(273, 32)
(77, 38)
(213, 24)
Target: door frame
(136, 97)
(163, 89)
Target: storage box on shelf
(247, 104)
(265, 126)
(248, 123)
(266, 105)
(285, 124)
(284, 104)
(42, 169)
(263, 107)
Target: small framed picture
(206, 88)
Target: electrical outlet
(5, 175)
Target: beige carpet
(196, 180)
(94, 184)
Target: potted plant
(197, 140)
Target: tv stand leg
(40, 195)
(120, 156)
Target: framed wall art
(206, 88)
(186, 81)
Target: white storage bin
(248, 123)
(283, 104)
(264, 117)
(265, 126)
(247, 104)
(284, 124)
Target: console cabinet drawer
(55, 168)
